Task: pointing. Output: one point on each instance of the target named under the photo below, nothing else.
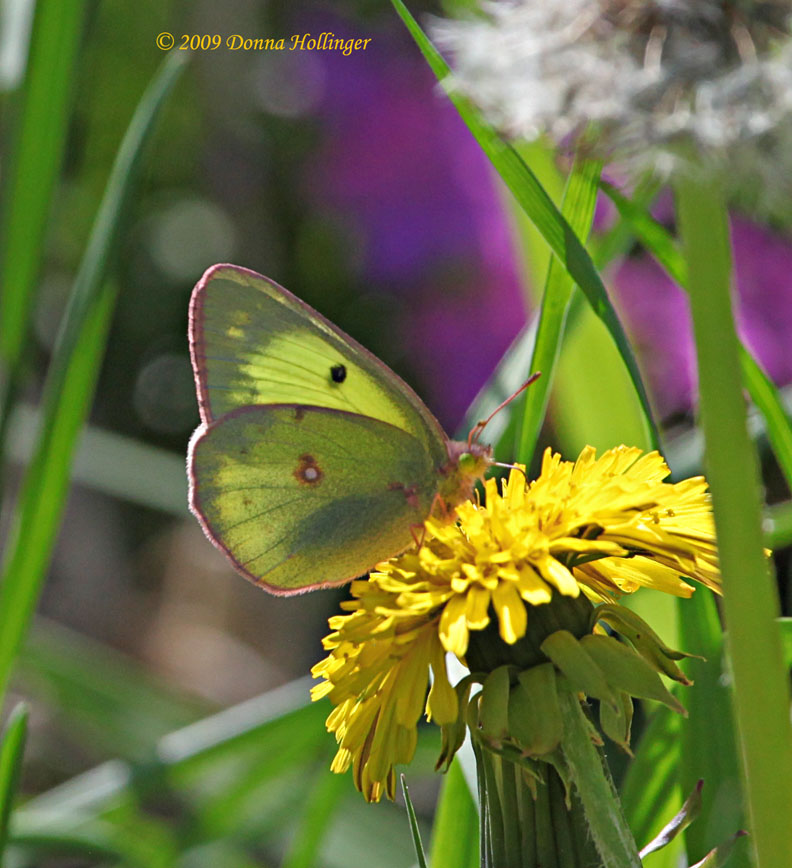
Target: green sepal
(616, 723)
(512, 753)
(626, 670)
(556, 759)
(645, 641)
(580, 668)
(453, 734)
(494, 706)
(534, 716)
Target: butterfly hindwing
(301, 497)
(253, 342)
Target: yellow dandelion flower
(600, 527)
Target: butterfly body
(314, 461)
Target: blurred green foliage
(145, 634)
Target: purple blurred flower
(657, 316)
(399, 162)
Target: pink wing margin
(197, 357)
(194, 502)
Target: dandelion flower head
(594, 528)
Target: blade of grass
(508, 376)
(650, 792)
(770, 404)
(286, 708)
(112, 463)
(761, 691)
(777, 525)
(577, 206)
(690, 811)
(510, 371)
(12, 747)
(69, 387)
(658, 241)
(785, 628)
(708, 752)
(414, 830)
(455, 840)
(108, 701)
(532, 197)
(324, 800)
(30, 173)
(94, 841)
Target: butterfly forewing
(301, 497)
(253, 342)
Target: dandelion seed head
(666, 85)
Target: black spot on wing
(338, 373)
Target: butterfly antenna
(475, 431)
(511, 467)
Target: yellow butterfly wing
(304, 497)
(253, 342)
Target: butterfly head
(475, 460)
(467, 462)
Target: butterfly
(313, 460)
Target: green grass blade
(653, 235)
(69, 387)
(34, 162)
(658, 241)
(709, 753)
(770, 404)
(115, 464)
(414, 830)
(93, 841)
(777, 525)
(12, 747)
(455, 839)
(324, 800)
(109, 703)
(649, 792)
(533, 199)
(785, 627)
(578, 203)
(285, 711)
(508, 376)
(761, 690)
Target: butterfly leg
(418, 539)
(444, 512)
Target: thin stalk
(494, 812)
(761, 691)
(545, 839)
(528, 827)
(564, 839)
(604, 816)
(511, 817)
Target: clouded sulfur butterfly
(313, 460)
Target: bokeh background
(351, 181)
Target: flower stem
(604, 815)
(761, 692)
(511, 825)
(492, 811)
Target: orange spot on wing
(308, 471)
